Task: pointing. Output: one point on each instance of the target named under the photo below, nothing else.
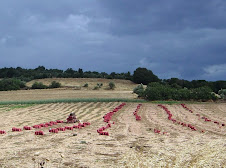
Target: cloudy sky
(173, 38)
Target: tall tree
(144, 76)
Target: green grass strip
(94, 100)
(177, 102)
(71, 101)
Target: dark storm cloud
(163, 15)
(177, 38)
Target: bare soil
(131, 143)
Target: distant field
(70, 90)
(47, 94)
(130, 143)
(121, 85)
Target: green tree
(11, 84)
(144, 76)
(80, 71)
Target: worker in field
(72, 118)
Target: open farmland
(121, 85)
(153, 141)
(69, 90)
(49, 94)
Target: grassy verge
(170, 102)
(71, 101)
(8, 107)
(28, 103)
(179, 102)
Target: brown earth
(131, 143)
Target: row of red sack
(107, 117)
(48, 124)
(80, 125)
(170, 115)
(56, 130)
(205, 118)
(135, 112)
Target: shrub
(111, 85)
(139, 90)
(99, 85)
(39, 85)
(156, 91)
(11, 84)
(202, 93)
(54, 84)
(96, 88)
(222, 93)
(86, 85)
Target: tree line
(174, 88)
(41, 72)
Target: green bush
(11, 84)
(39, 85)
(222, 93)
(99, 85)
(202, 93)
(86, 85)
(156, 91)
(54, 84)
(96, 88)
(139, 90)
(111, 85)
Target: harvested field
(72, 89)
(49, 94)
(122, 85)
(130, 143)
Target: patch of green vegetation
(176, 102)
(11, 107)
(71, 101)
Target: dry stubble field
(130, 143)
(123, 89)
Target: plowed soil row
(130, 143)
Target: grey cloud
(177, 38)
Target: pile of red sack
(39, 133)
(135, 112)
(27, 128)
(2, 132)
(16, 129)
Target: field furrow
(130, 142)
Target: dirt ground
(130, 143)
